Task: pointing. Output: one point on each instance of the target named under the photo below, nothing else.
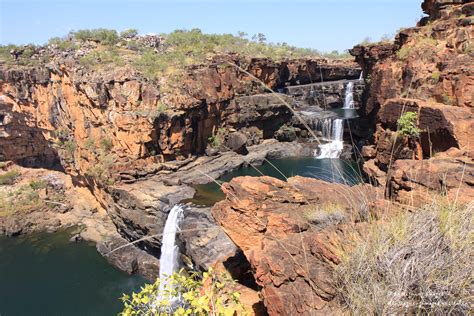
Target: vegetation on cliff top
(153, 55)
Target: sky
(325, 25)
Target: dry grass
(325, 214)
(417, 263)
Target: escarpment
(142, 145)
(139, 144)
(427, 70)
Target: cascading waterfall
(349, 98)
(332, 130)
(169, 260)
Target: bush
(200, 294)
(217, 139)
(101, 35)
(129, 33)
(404, 52)
(416, 264)
(9, 178)
(435, 76)
(70, 147)
(407, 124)
(38, 184)
(447, 99)
(106, 144)
(101, 170)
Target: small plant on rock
(407, 124)
(217, 138)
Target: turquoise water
(45, 274)
(333, 170)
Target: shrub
(404, 52)
(416, 264)
(435, 76)
(9, 178)
(101, 170)
(38, 184)
(447, 99)
(70, 147)
(106, 144)
(129, 33)
(217, 138)
(208, 293)
(90, 143)
(407, 124)
(101, 35)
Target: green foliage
(70, 147)
(435, 76)
(407, 124)
(19, 199)
(101, 35)
(161, 107)
(208, 293)
(63, 44)
(447, 99)
(129, 33)
(90, 143)
(38, 184)
(217, 138)
(404, 52)
(106, 145)
(109, 55)
(9, 177)
(101, 170)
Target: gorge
(271, 170)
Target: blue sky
(321, 24)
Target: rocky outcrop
(139, 209)
(414, 181)
(326, 94)
(427, 70)
(293, 234)
(204, 242)
(22, 143)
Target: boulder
(290, 240)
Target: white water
(169, 260)
(333, 130)
(349, 98)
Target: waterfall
(349, 98)
(332, 130)
(361, 77)
(169, 260)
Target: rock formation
(428, 70)
(293, 234)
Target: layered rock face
(139, 145)
(294, 234)
(428, 70)
(327, 94)
(140, 120)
